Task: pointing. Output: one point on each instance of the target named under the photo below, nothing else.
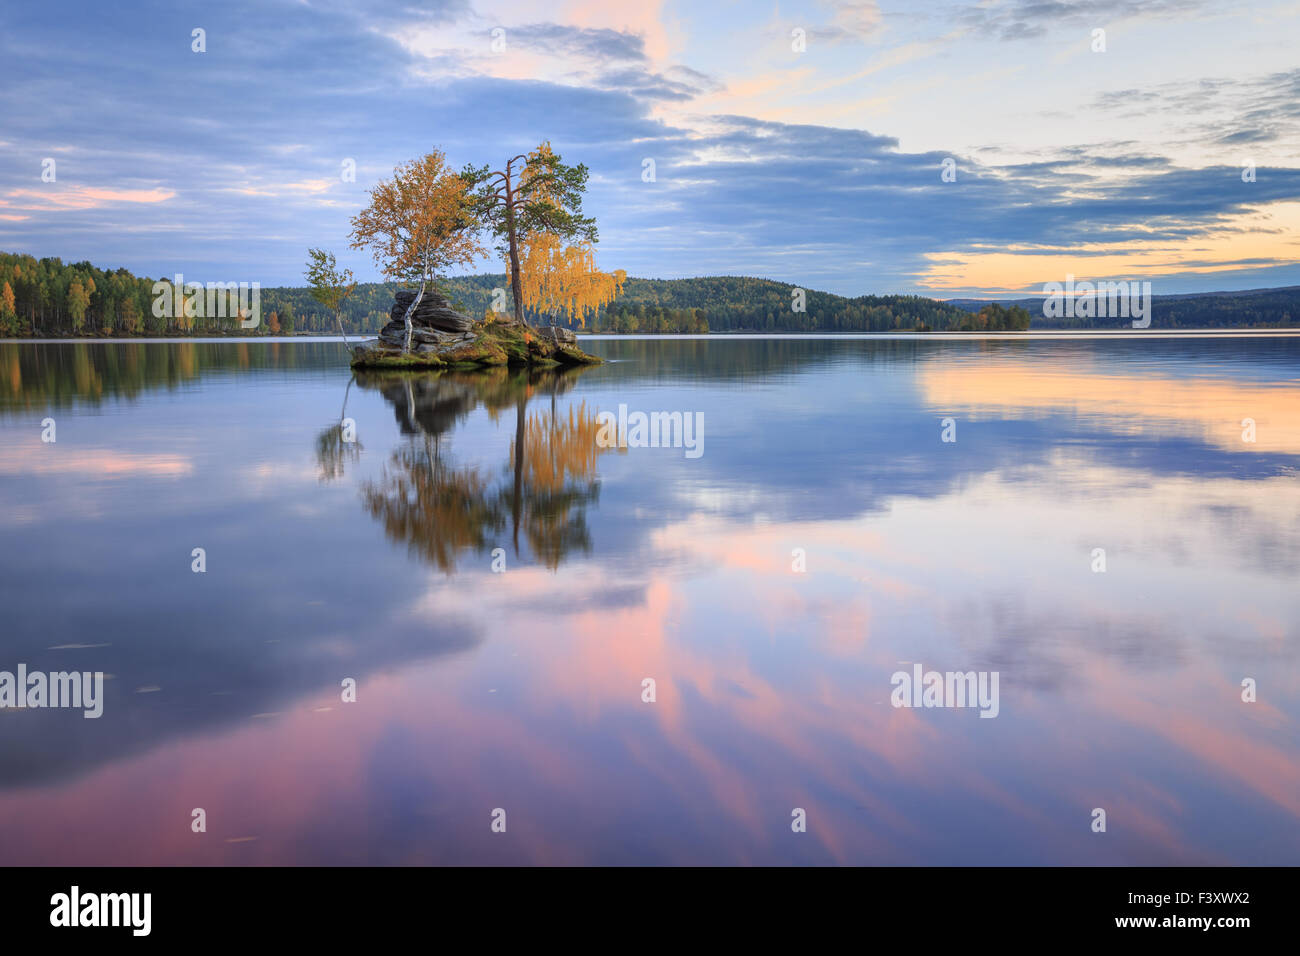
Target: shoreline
(615, 336)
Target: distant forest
(1253, 309)
(46, 297)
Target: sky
(805, 142)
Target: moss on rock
(487, 345)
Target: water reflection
(61, 375)
(439, 508)
(330, 558)
(338, 446)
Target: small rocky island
(441, 337)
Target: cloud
(601, 45)
(656, 86)
(1253, 109)
(1030, 19)
(850, 21)
(239, 150)
(83, 197)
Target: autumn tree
(533, 193)
(418, 224)
(330, 286)
(8, 311)
(79, 300)
(130, 314)
(558, 279)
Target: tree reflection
(441, 509)
(554, 466)
(335, 448)
(437, 509)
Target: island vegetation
(428, 218)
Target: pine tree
(533, 193)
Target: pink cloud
(85, 197)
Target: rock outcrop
(557, 334)
(441, 336)
(433, 314)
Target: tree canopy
(419, 223)
(563, 281)
(532, 194)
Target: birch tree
(559, 280)
(329, 286)
(418, 224)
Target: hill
(711, 303)
(48, 297)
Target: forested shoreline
(47, 298)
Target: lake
(624, 654)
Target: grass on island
(494, 344)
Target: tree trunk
(339, 319)
(512, 238)
(516, 283)
(407, 317)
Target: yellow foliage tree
(418, 223)
(563, 280)
(518, 203)
(79, 300)
(130, 314)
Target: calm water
(521, 688)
